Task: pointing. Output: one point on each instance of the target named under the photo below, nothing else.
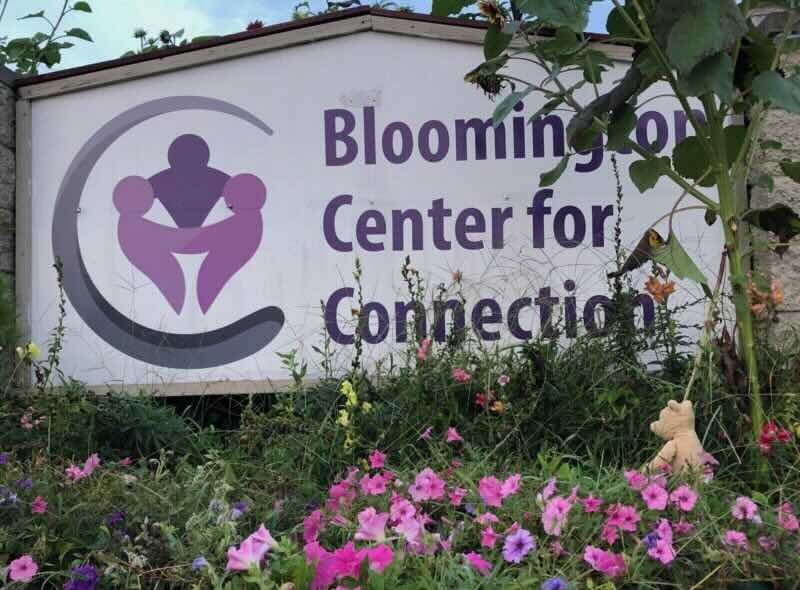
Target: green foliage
(573, 14)
(674, 257)
(27, 54)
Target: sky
(112, 22)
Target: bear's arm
(664, 457)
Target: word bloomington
(486, 315)
(346, 138)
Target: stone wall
(7, 171)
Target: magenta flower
(39, 505)
(426, 434)
(22, 569)
(76, 473)
(427, 486)
(655, 497)
(591, 504)
(489, 538)
(312, 525)
(636, 481)
(518, 545)
(347, 561)
(373, 486)
(125, 461)
(547, 492)
(736, 539)
(683, 527)
(379, 558)
(609, 534)
(461, 376)
(411, 529)
(490, 489)
(377, 460)
(606, 562)
(480, 564)
(744, 509)
(453, 436)
(503, 380)
(456, 496)
(325, 572)
(787, 519)
(623, 516)
(767, 543)
(372, 525)
(684, 498)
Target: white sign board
(203, 215)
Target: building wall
(7, 171)
(782, 127)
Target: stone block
(7, 166)
(7, 116)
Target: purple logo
(188, 190)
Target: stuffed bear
(675, 424)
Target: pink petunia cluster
(493, 491)
(75, 473)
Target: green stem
(729, 214)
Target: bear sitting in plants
(675, 424)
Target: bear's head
(674, 419)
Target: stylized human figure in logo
(188, 190)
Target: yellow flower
(33, 350)
(349, 441)
(498, 407)
(344, 418)
(366, 407)
(349, 394)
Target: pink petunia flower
(251, 551)
(347, 561)
(426, 434)
(709, 463)
(736, 539)
(371, 525)
(591, 504)
(683, 527)
(39, 505)
(510, 485)
(490, 489)
(662, 551)
(684, 498)
(555, 515)
(636, 481)
(411, 529)
(461, 376)
(456, 496)
(373, 486)
(325, 572)
(547, 492)
(489, 538)
(76, 473)
(480, 564)
(609, 534)
(787, 519)
(744, 509)
(453, 436)
(610, 564)
(486, 518)
(503, 380)
(401, 509)
(655, 497)
(623, 516)
(427, 486)
(125, 462)
(377, 460)
(22, 569)
(767, 543)
(379, 558)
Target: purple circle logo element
(188, 189)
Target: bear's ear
(674, 406)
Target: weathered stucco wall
(782, 127)
(7, 171)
